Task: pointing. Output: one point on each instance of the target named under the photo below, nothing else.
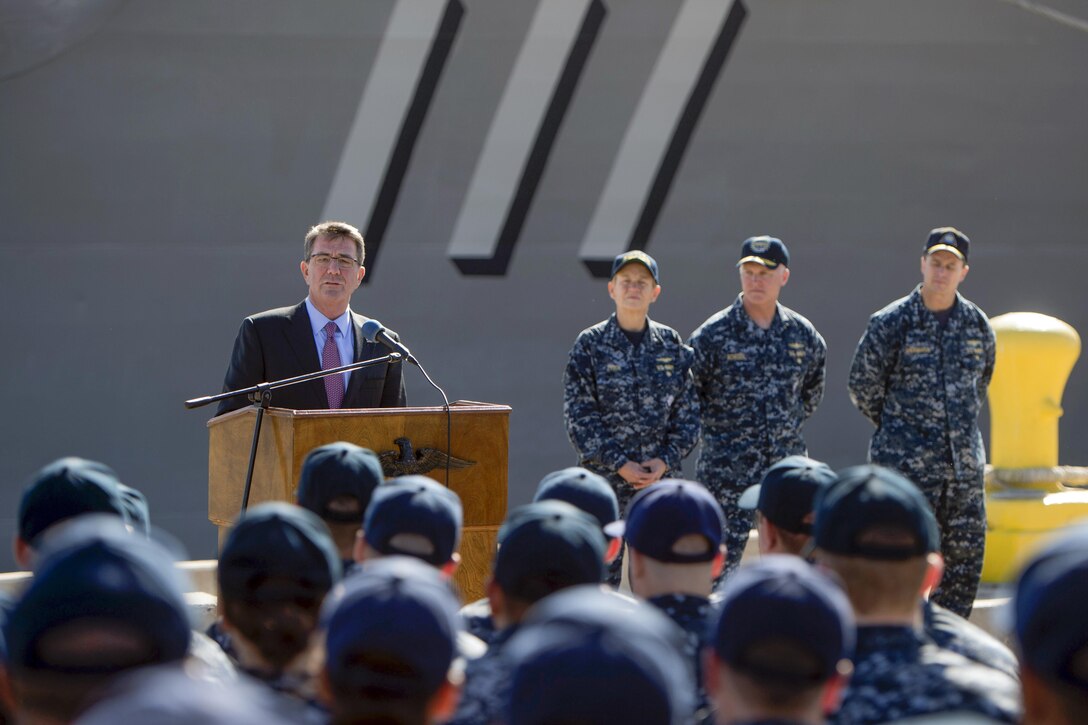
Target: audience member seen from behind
(591, 657)
(1051, 631)
(581, 488)
(99, 606)
(674, 531)
(275, 569)
(875, 530)
(336, 483)
(66, 488)
(412, 516)
(783, 503)
(781, 644)
(418, 517)
(543, 548)
(784, 514)
(168, 695)
(390, 635)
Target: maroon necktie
(330, 358)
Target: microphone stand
(374, 331)
(261, 395)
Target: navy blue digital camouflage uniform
(294, 698)
(756, 390)
(899, 674)
(487, 683)
(949, 630)
(922, 386)
(691, 613)
(625, 403)
(478, 621)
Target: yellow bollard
(1035, 354)
(1018, 522)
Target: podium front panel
(408, 440)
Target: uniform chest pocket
(737, 364)
(614, 381)
(731, 366)
(919, 352)
(669, 377)
(972, 354)
(665, 368)
(797, 351)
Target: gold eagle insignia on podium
(408, 461)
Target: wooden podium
(480, 435)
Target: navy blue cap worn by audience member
(787, 492)
(391, 630)
(137, 511)
(587, 656)
(66, 488)
(168, 695)
(547, 546)
(414, 505)
(1048, 610)
(783, 599)
(948, 239)
(278, 551)
(663, 513)
(75, 531)
(335, 470)
(110, 581)
(635, 257)
(864, 499)
(768, 251)
(582, 489)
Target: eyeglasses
(327, 260)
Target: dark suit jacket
(279, 344)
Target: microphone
(374, 331)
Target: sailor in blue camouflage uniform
(952, 632)
(674, 532)
(759, 370)
(629, 403)
(781, 643)
(920, 374)
(1051, 631)
(876, 531)
(544, 547)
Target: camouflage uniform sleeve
(582, 415)
(486, 687)
(684, 423)
(813, 391)
(702, 369)
(990, 354)
(874, 358)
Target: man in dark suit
(318, 333)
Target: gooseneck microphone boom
(374, 331)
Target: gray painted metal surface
(158, 173)
(372, 138)
(521, 109)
